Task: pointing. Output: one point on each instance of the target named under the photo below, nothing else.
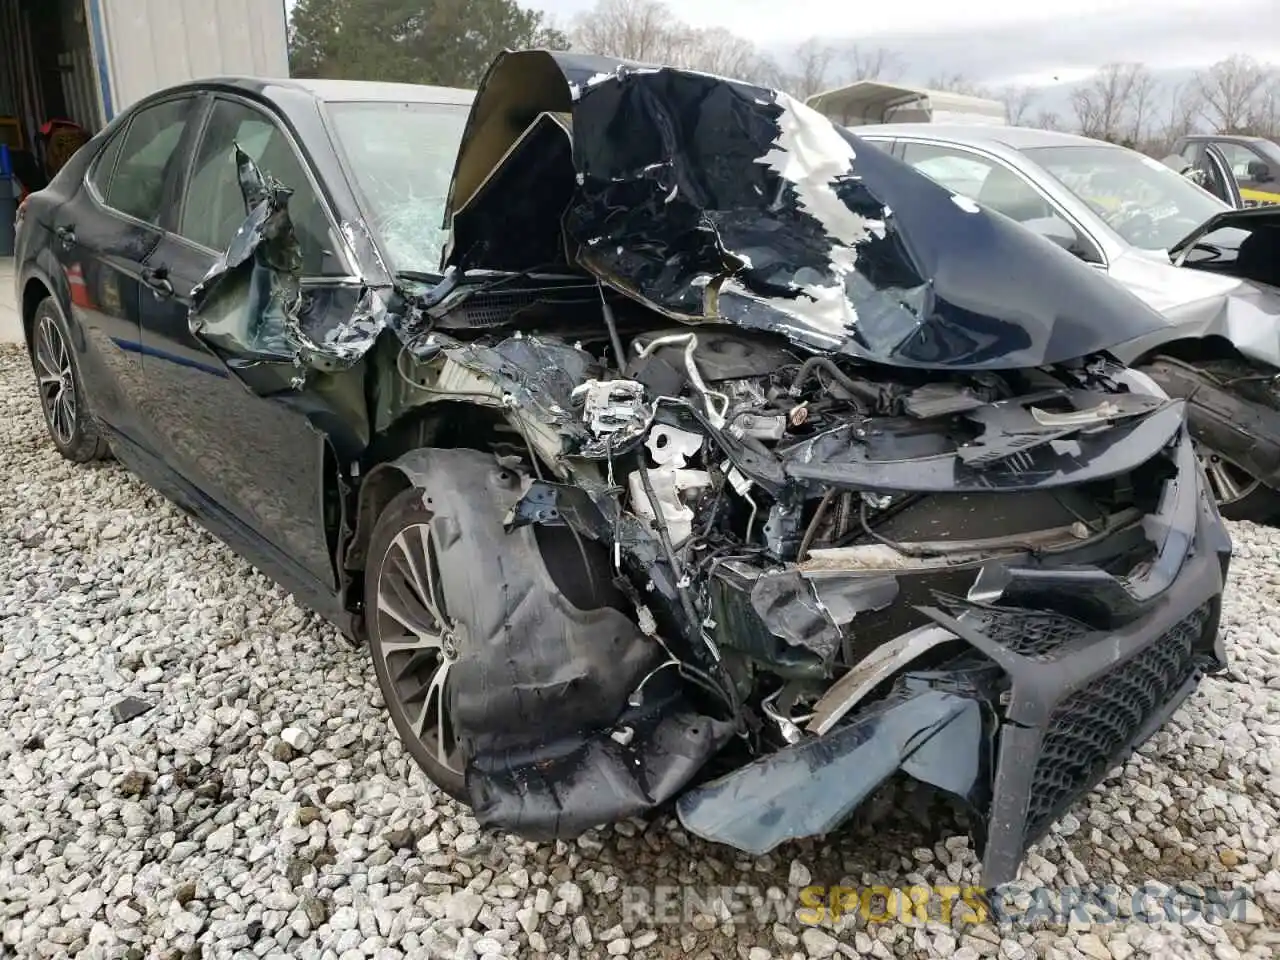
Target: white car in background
(1211, 270)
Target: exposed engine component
(671, 487)
(671, 445)
(611, 406)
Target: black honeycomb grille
(1032, 634)
(1088, 729)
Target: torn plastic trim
(1172, 529)
(1041, 688)
(811, 787)
(555, 735)
(812, 609)
(835, 458)
(872, 670)
(963, 729)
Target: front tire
(71, 424)
(1238, 494)
(413, 640)
(487, 642)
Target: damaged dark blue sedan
(666, 444)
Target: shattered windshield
(1141, 199)
(401, 158)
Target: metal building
(86, 60)
(875, 101)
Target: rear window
(401, 158)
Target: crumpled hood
(706, 198)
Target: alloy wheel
(56, 379)
(1228, 482)
(418, 641)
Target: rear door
(102, 240)
(252, 450)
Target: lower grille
(1036, 635)
(1088, 729)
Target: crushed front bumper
(1031, 718)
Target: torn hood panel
(706, 199)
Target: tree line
(451, 42)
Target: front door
(235, 426)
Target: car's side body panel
(237, 450)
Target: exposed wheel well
(450, 425)
(32, 293)
(1200, 348)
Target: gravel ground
(264, 808)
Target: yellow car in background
(1254, 163)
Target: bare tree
(813, 61)
(1176, 119)
(1103, 105)
(1017, 104)
(721, 52)
(1047, 120)
(648, 31)
(1264, 114)
(957, 83)
(1228, 89)
(631, 29)
(878, 63)
(1142, 94)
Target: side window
(214, 206)
(137, 185)
(1238, 158)
(106, 164)
(1189, 149)
(989, 182)
(999, 188)
(885, 146)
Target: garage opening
(49, 91)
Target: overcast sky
(999, 41)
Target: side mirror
(1055, 229)
(1259, 171)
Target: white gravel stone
(297, 738)
(260, 808)
(818, 943)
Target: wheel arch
(1191, 349)
(34, 292)
(394, 463)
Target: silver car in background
(1212, 271)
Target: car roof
(978, 135)
(1236, 137)
(334, 91)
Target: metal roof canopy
(873, 101)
